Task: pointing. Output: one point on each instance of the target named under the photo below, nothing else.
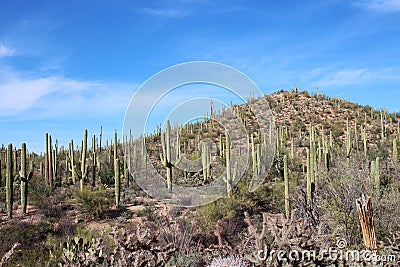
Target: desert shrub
(79, 252)
(140, 245)
(387, 213)
(231, 261)
(186, 260)
(149, 212)
(222, 210)
(180, 233)
(38, 191)
(337, 191)
(107, 176)
(32, 250)
(93, 203)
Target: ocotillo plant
(165, 156)
(9, 181)
(286, 182)
(24, 178)
(84, 167)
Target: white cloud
(5, 51)
(380, 5)
(358, 76)
(57, 96)
(165, 12)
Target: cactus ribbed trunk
(286, 182)
(24, 179)
(166, 154)
(49, 161)
(9, 181)
(83, 160)
(94, 160)
(72, 161)
(117, 181)
(230, 177)
(309, 182)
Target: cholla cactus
(230, 261)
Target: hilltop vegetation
(84, 207)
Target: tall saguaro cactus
(72, 161)
(83, 160)
(205, 159)
(48, 161)
(9, 181)
(117, 173)
(230, 177)
(286, 182)
(117, 181)
(24, 179)
(94, 161)
(165, 156)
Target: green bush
(93, 203)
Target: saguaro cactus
(84, 167)
(309, 179)
(377, 178)
(286, 182)
(72, 161)
(94, 160)
(9, 181)
(395, 151)
(24, 179)
(205, 159)
(117, 181)
(117, 173)
(230, 177)
(165, 156)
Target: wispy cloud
(59, 97)
(165, 12)
(380, 5)
(6, 51)
(358, 76)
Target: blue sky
(70, 65)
